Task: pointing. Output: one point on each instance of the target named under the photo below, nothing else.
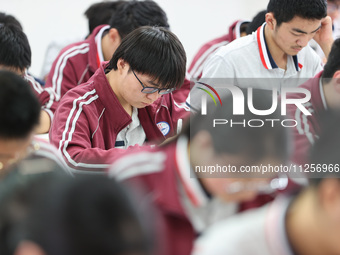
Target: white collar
(188, 179)
(98, 40)
(200, 210)
(265, 55)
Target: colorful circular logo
(164, 127)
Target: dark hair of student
(19, 107)
(66, 216)
(257, 21)
(20, 185)
(154, 51)
(101, 13)
(8, 19)
(15, 51)
(286, 10)
(91, 215)
(333, 61)
(133, 14)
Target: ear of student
(336, 78)
(270, 20)
(114, 35)
(122, 65)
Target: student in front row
(190, 200)
(114, 109)
(19, 116)
(307, 223)
(46, 213)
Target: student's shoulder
(144, 161)
(74, 49)
(79, 94)
(42, 148)
(217, 42)
(243, 45)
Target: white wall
(193, 21)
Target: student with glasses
(115, 109)
(77, 62)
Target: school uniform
(247, 62)
(308, 127)
(208, 49)
(76, 63)
(46, 96)
(91, 126)
(169, 182)
(43, 149)
(257, 232)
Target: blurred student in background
(44, 212)
(325, 95)
(19, 117)
(238, 29)
(15, 55)
(189, 197)
(305, 223)
(97, 14)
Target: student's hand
(324, 36)
(168, 140)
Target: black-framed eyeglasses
(150, 90)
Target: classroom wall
(193, 21)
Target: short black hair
(333, 61)
(286, 10)
(19, 107)
(254, 143)
(154, 51)
(101, 13)
(8, 19)
(15, 50)
(133, 14)
(19, 187)
(85, 215)
(257, 21)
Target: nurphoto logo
(239, 104)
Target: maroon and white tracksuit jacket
(89, 118)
